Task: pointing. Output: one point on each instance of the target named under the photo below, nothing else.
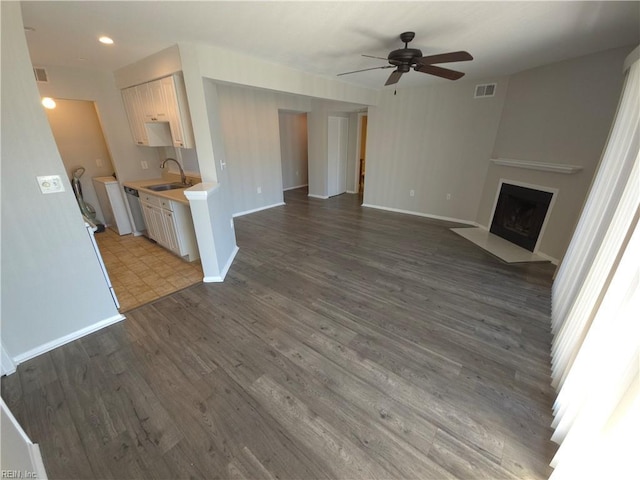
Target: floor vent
(486, 90)
(41, 75)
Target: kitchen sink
(167, 186)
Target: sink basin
(167, 186)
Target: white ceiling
(327, 38)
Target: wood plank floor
(345, 343)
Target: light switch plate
(50, 184)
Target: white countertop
(176, 195)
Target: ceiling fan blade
(366, 69)
(393, 78)
(372, 56)
(445, 58)
(439, 72)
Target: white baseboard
(351, 191)
(247, 212)
(8, 367)
(293, 188)
(420, 214)
(223, 273)
(58, 342)
(321, 197)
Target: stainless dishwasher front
(133, 197)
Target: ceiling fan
(406, 58)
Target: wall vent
(485, 90)
(41, 75)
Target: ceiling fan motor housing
(403, 56)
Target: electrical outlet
(50, 184)
(297, 173)
(412, 193)
(259, 189)
(144, 164)
(448, 196)
(98, 162)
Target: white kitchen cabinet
(169, 223)
(133, 107)
(158, 113)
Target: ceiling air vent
(41, 75)
(486, 90)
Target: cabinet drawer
(151, 199)
(166, 204)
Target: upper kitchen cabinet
(159, 114)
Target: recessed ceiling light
(105, 40)
(48, 102)
(29, 29)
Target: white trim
(33, 449)
(293, 188)
(220, 278)
(321, 197)
(545, 167)
(551, 190)
(420, 214)
(350, 191)
(8, 367)
(247, 212)
(58, 342)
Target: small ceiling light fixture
(48, 102)
(29, 29)
(106, 40)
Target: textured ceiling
(327, 38)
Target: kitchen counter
(176, 195)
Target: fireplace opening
(520, 214)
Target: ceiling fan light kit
(404, 59)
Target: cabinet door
(171, 237)
(157, 102)
(177, 131)
(153, 221)
(133, 107)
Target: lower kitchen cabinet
(169, 223)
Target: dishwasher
(133, 197)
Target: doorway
(294, 150)
(362, 150)
(140, 271)
(338, 144)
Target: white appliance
(112, 204)
(91, 228)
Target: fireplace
(520, 213)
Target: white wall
(78, 135)
(293, 149)
(435, 140)
(52, 285)
(249, 119)
(100, 87)
(18, 452)
(558, 113)
(233, 67)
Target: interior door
(338, 133)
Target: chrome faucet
(183, 177)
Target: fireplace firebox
(520, 214)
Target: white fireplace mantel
(546, 167)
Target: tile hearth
(495, 245)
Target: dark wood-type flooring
(346, 342)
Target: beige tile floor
(142, 271)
